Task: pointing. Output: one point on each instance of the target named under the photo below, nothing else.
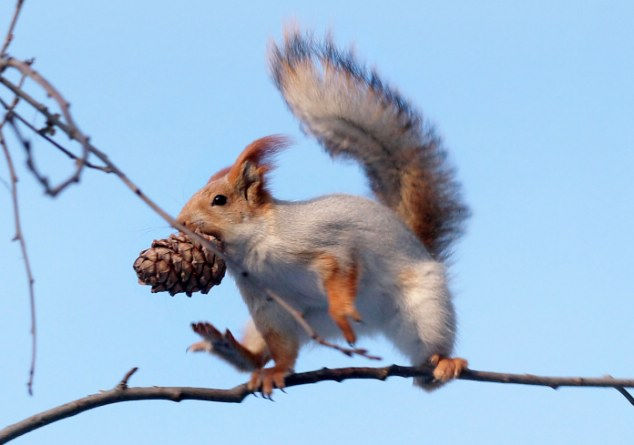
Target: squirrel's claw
(266, 379)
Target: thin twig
(14, 20)
(123, 384)
(28, 149)
(19, 236)
(240, 392)
(52, 141)
(71, 129)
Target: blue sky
(535, 102)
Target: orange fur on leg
(341, 290)
(284, 350)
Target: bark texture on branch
(122, 393)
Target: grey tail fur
(354, 114)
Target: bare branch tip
(123, 384)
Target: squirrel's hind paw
(446, 368)
(266, 379)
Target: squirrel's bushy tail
(353, 113)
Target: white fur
(402, 292)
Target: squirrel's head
(235, 194)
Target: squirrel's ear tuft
(248, 173)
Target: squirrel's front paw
(266, 379)
(225, 346)
(212, 337)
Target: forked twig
(71, 128)
(50, 140)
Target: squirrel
(337, 258)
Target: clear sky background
(535, 101)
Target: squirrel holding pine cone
(350, 265)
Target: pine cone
(177, 265)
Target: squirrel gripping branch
(337, 259)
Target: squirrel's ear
(250, 183)
(248, 173)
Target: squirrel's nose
(191, 225)
(185, 220)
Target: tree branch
(122, 393)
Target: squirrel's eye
(219, 200)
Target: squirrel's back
(346, 222)
(353, 113)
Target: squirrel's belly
(298, 286)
